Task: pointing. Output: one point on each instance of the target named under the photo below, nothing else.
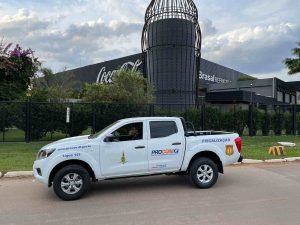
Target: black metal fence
(35, 121)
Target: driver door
(125, 154)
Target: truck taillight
(238, 142)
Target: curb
(251, 161)
(14, 174)
(19, 174)
(292, 159)
(254, 161)
(275, 160)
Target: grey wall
(104, 70)
(264, 87)
(215, 73)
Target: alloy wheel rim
(71, 183)
(205, 173)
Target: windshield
(102, 131)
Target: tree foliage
(17, 69)
(293, 64)
(58, 87)
(127, 87)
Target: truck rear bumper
(241, 159)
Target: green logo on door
(123, 159)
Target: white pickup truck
(136, 147)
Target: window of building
(293, 99)
(287, 98)
(279, 96)
(160, 129)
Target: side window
(160, 129)
(128, 132)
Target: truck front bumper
(39, 172)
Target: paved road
(252, 194)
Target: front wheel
(71, 182)
(204, 173)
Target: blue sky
(250, 36)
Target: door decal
(123, 159)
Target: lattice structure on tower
(171, 45)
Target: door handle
(176, 143)
(139, 147)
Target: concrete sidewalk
(20, 174)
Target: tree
(59, 87)
(17, 69)
(127, 87)
(293, 64)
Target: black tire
(81, 183)
(207, 179)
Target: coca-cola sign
(105, 77)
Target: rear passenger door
(165, 146)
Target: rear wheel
(204, 173)
(71, 182)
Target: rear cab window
(161, 129)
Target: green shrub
(109, 113)
(228, 121)
(277, 122)
(265, 123)
(288, 123)
(193, 115)
(212, 118)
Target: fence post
(72, 119)
(251, 120)
(151, 110)
(27, 121)
(294, 120)
(203, 116)
(3, 125)
(94, 117)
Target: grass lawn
(20, 156)
(258, 147)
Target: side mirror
(109, 138)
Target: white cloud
(22, 23)
(281, 74)
(76, 45)
(254, 50)
(207, 27)
(246, 35)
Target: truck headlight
(45, 153)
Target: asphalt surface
(249, 194)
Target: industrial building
(171, 60)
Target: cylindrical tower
(171, 45)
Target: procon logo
(165, 152)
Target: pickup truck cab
(136, 147)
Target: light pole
(251, 113)
(27, 133)
(251, 99)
